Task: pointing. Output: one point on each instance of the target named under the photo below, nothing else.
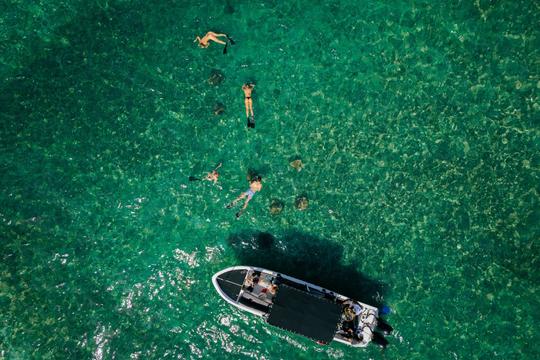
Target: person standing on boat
(255, 185)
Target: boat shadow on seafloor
(308, 258)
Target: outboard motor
(379, 340)
(384, 326)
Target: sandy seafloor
(417, 123)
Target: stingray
(301, 203)
(297, 164)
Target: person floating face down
(248, 102)
(255, 185)
(204, 42)
(213, 175)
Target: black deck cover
(305, 314)
(231, 282)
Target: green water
(417, 123)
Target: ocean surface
(417, 124)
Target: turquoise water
(417, 124)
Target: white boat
(301, 307)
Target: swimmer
(248, 102)
(211, 176)
(255, 185)
(204, 42)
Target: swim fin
(193, 178)
(225, 49)
(231, 40)
(251, 122)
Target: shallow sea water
(417, 123)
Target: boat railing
(293, 284)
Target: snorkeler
(211, 176)
(212, 36)
(255, 185)
(248, 102)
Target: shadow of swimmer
(307, 258)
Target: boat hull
(230, 285)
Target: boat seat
(252, 302)
(255, 299)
